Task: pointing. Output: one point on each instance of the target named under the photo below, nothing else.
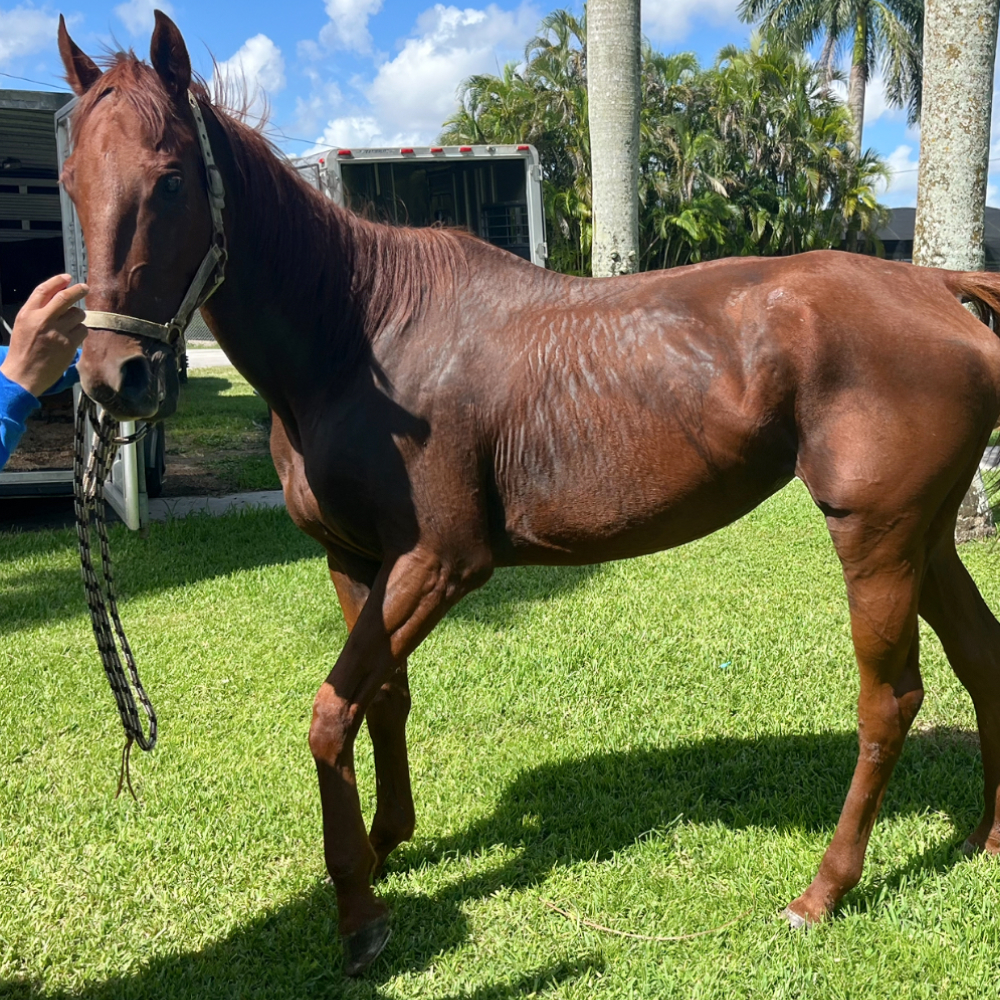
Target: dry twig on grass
(640, 937)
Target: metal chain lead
(89, 474)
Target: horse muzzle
(130, 384)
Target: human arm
(42, 355)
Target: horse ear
(81, 71)
(169, 56)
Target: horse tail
(980, 289)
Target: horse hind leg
(883, 585)
(952, 605)
(395, 817)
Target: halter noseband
(209, 275)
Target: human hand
(47, 332)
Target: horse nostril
(135, 375)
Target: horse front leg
(395, 817)
(408, 598)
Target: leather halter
(207, 278)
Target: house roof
(901, 223)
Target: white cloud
(902, 186)
(324, 98)
(348, 24)
(354, 130)
(24, 30)
(259, 66)
(137, 15)
(411, 95)
(876, 102)
(672, 20)
(416, 91)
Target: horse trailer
(492, 191)
(40, 236)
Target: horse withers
(442, 407)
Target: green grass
(574, 738)
(221, 427)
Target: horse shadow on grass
(590, 808)
(582, 809)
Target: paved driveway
(207, 357)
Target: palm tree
(886, 33)
(613, 74)
(954, 154)
(749, 156)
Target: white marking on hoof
(794, 920)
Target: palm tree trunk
(613, 41)
(858, 80)
(960, 38)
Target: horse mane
(324, 260)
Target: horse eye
(172, 184)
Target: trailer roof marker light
(465, 149)
(343, 152)
(406, 152)
(437, 149)
(321, 161)
(523, 149)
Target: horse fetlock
(984, 839)
(357, 906)
(810, 908)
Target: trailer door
(125, 488)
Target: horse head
(139, 181)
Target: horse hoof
(362, 947)
(794, 920)
(970, 848)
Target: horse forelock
(139, 86)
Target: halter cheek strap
(209, 275)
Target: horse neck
(292, 313)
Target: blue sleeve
(17, 404)
(69, 378)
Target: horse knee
(389, 710)
(334, 725)
(884, 720)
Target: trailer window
(487, 198)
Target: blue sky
(381, 72)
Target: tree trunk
(960, 38)
(613, 97)
(858, 81)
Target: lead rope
(89, 474)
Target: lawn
(217, 441)
(660, 746)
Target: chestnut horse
(442, 407)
